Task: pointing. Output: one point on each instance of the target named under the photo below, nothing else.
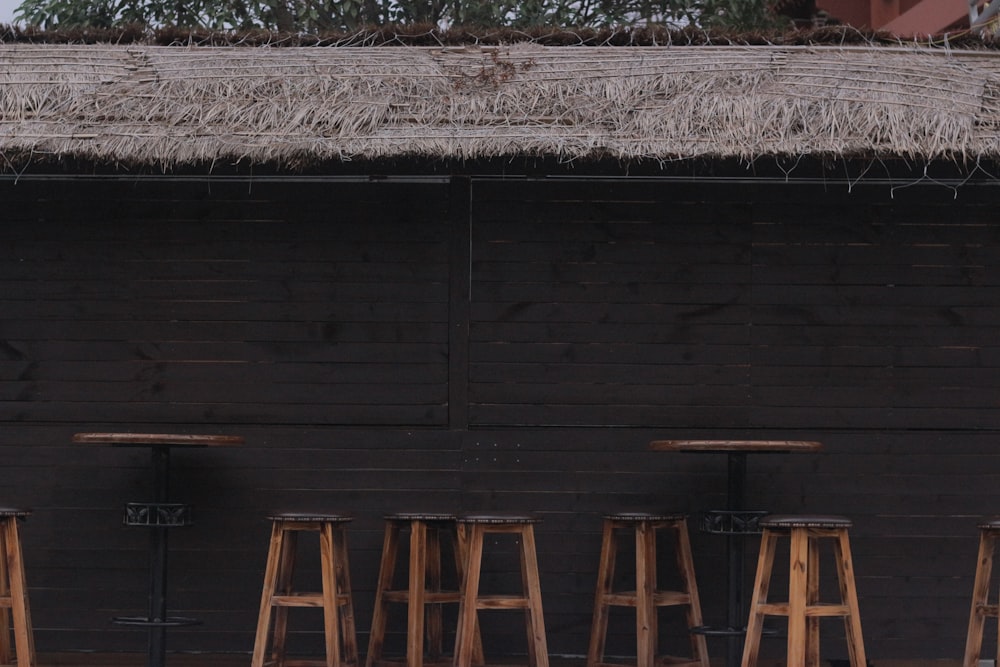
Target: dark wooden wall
(495, 344)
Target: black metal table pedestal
(158, 516)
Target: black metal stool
(473, 529)
(646, 598)
(423, 595)
(989, 533)
(803, 607)
(335, 598)
(14, 608)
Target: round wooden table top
(151, 439)
(735, 446)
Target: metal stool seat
(473, 529)
(334, 599)
(803, 607)
(646, 598)
(14, 609)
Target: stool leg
(812, 597)
(349, 642)
(270, 581)
(762, 582)
(798, 564)
(433, 623)
(415, 606)
(5, 629)
(331, 605)
(376, 638)
(286, 569)
(645, 584)
(461, 550)
(685, 565)
(605, 578)
(538, 651)
(849, 594)
(980, 594)
(470, 589)
(24, 642)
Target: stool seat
(636, 517)
(803, 607)
(309, 517)
(646, 598)
(509, 519)
(419, 516)
(989, 524)
(805, 521)
(334, 599)
(15, 612)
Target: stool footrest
(443, 661)
(812, 610)
(501, 602)
(304, 600)
(430, 597)
(303, 662)
(660, 599)
(661, 661)
(143, 621)
(985, 610)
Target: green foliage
(313, 16)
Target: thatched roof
(174, 106)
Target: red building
(904, 17)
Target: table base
(709, 631)
(144, 621)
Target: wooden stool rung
(305, 600)
(660, 599)
(502, 602)
(430, 597)
(814, 610)
(988, 610)
(661, 661)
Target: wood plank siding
(484, 343)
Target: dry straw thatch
(163, 106)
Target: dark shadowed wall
(482, 343)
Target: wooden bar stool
(423, 596)
(803, 607)
(473, 529)
(646, 598)
(14, 594)
(335, 598)
(989, 532)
